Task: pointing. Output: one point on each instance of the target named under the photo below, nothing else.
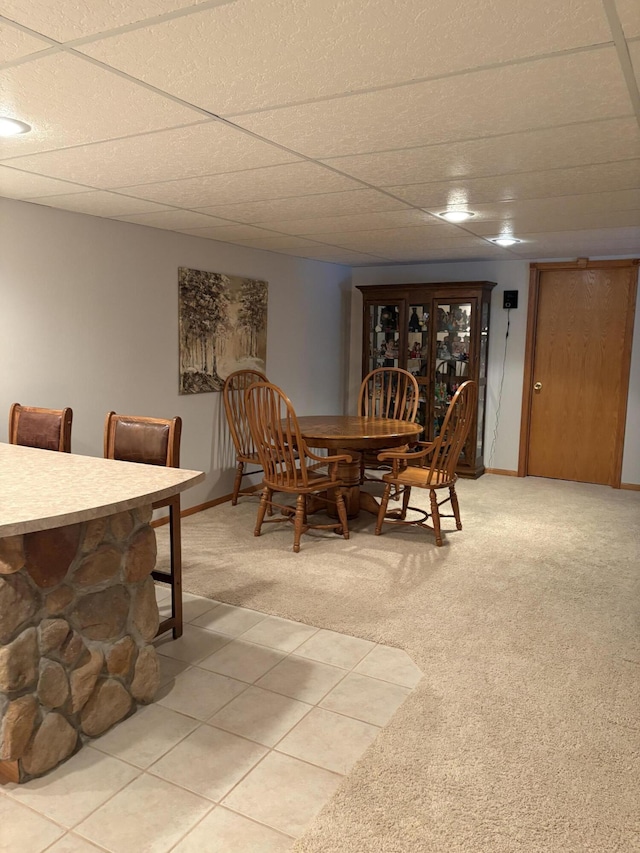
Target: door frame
(535, 270)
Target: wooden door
(577, 372)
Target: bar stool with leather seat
(153, 441)
(47, 429)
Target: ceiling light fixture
(456, 215)
(13, 127)
(505, 241)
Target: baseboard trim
(192, 510)
(505, 472)
(634, 487)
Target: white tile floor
(255, 724)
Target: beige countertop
(41, 489)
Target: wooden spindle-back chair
(288, 463)
(233, 395)
(436, 469)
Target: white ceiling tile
(562, 208)
(523, 185)
(174, 220)
(332, 255)
(477, 252)
(294, 50)
(308, 206)
(181, 152)
(229, 233)
(278, 242)
(68, 101)
(560, 90)
(518, 223)
(629, 14)
(98, 203)
(69, 19)
(383, 241)
(587, 243)
(550, 148)
(15, 44)
(634, 52)
(24, 185)
(253, 185)
(355, 222)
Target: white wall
(89, 319)
(508, 275)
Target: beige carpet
(524, 734)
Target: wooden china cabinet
(440, 333)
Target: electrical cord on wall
(497, 422)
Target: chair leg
(342, 512)
(435, 516)
(265, 501)
(456, 508)
(299, 521)
(176, 567)
(383, 508)
(237, 483)
(405, 502)
(174, 575)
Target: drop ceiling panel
(15, 44)
(64, 20)
(550, 148)
(479, 252)
(564, 206)
(98, 203)
(547, 92)
(23, 185)
(629, 14)
(336, 255)
(69, 101)
(253, 185)
(383, 241)
(182, 152)
(275, 243)
(634, 52)
(295, 50)
(568, 244)
(308, 206)
(517, 224)
(230, 233)
(174, 220)
(523, 185)
(355, 222)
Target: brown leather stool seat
(153, 441)
(48, 429)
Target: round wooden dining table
(353, 435)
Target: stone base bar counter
(77, 603)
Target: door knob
(537, 386)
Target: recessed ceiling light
(505, 241)
(456, 215)
(12, 127)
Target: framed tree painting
(223, 327)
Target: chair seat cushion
(423, 478)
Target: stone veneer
(77, 616)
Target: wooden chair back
(48, 429)
(453, 434)
(133, 438)
(389, 392)
(233, 395)
(276, 434)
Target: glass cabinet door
(384, 336)
(453, 344)
(419, 354)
